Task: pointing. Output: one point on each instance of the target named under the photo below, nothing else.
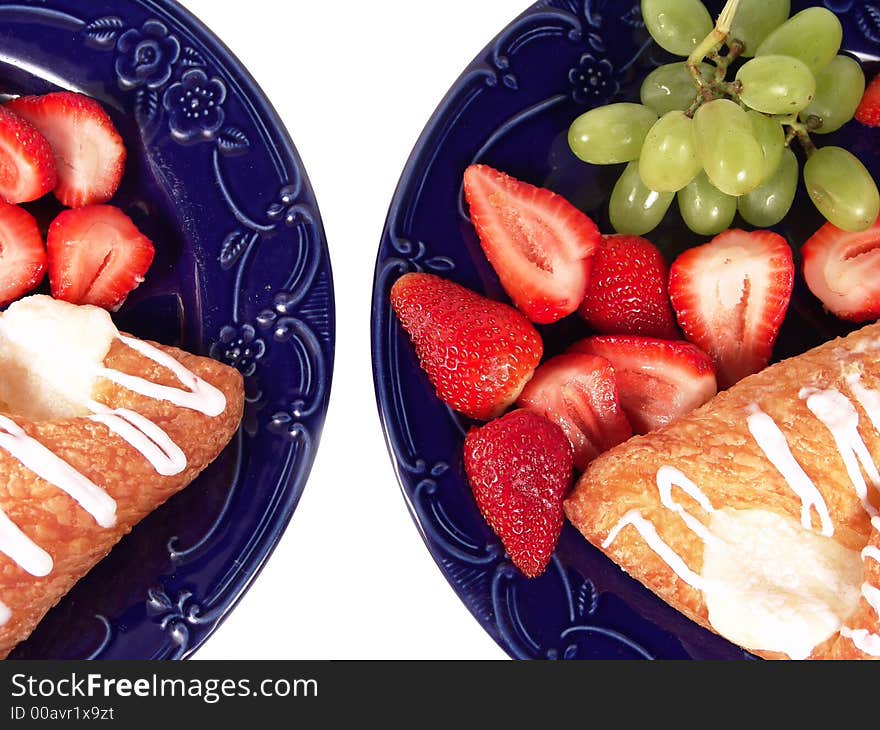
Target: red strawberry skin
(27, 165)
(539, 244)
(628, 292)
(868, 111)
(520, 468)
(842, 270)
(22, 253)
(659, 381)
(477, 353)
(731, 296)
(89, 153)
(96, 256)
(578, 392)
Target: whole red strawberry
(478, 353)
(520, 469)
(868, 111)
(628, 290)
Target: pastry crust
(715, 449)
(54, 521)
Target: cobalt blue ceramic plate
(511, 109)
(241, 273)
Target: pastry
(97, 429)
(758, 514)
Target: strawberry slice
(658, 380)
(538, 243)
(842, 270)
(27, 165)
(628, 290)
(579, 393)
(22, 253)
(96, 256)
(519, 469)
(477, 353)
(868, 111)
(731, 295)
(89, 153)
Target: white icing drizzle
(46, 465)
(840, 417)
(142, 434)
(201, 396)
(656, 543)
(773, 443)
(150, 440)
(669, 477)
(863, 639)
(21, 549)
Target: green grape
(669, 158)
(813, 36)
(634, 209)
(767, 205)
(842, 189)
(839, 89)
(677, 25)
(756, 19)
(771, 137)
(671, 87)
(610, 134)
(731, 156)
(705, 209)
(776, 84)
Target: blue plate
(511, 109)
(241, 273)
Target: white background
(355, 81)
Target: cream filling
(771, 585)
(50, 351)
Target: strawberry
(88, 150)
(868, 111)
(22, 253)
(843, 271)
(519, 469)
(477, 353)
(627, 292)
(579, 393)
(658, 380)
(538, 243)
(27, 166)
(96, 256)
(731, 295)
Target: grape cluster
(722, 146)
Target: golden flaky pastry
(110, 448)
(753, 515)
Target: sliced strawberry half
(579, 393)
(538, 243)
(96, 256)
(27, 165)
(730, 297)
(477, 353)
(658, 380)
(842, 270)
(519, 470)
(22, 253)
(89, 153)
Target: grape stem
(719, 88)
(713, 42)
